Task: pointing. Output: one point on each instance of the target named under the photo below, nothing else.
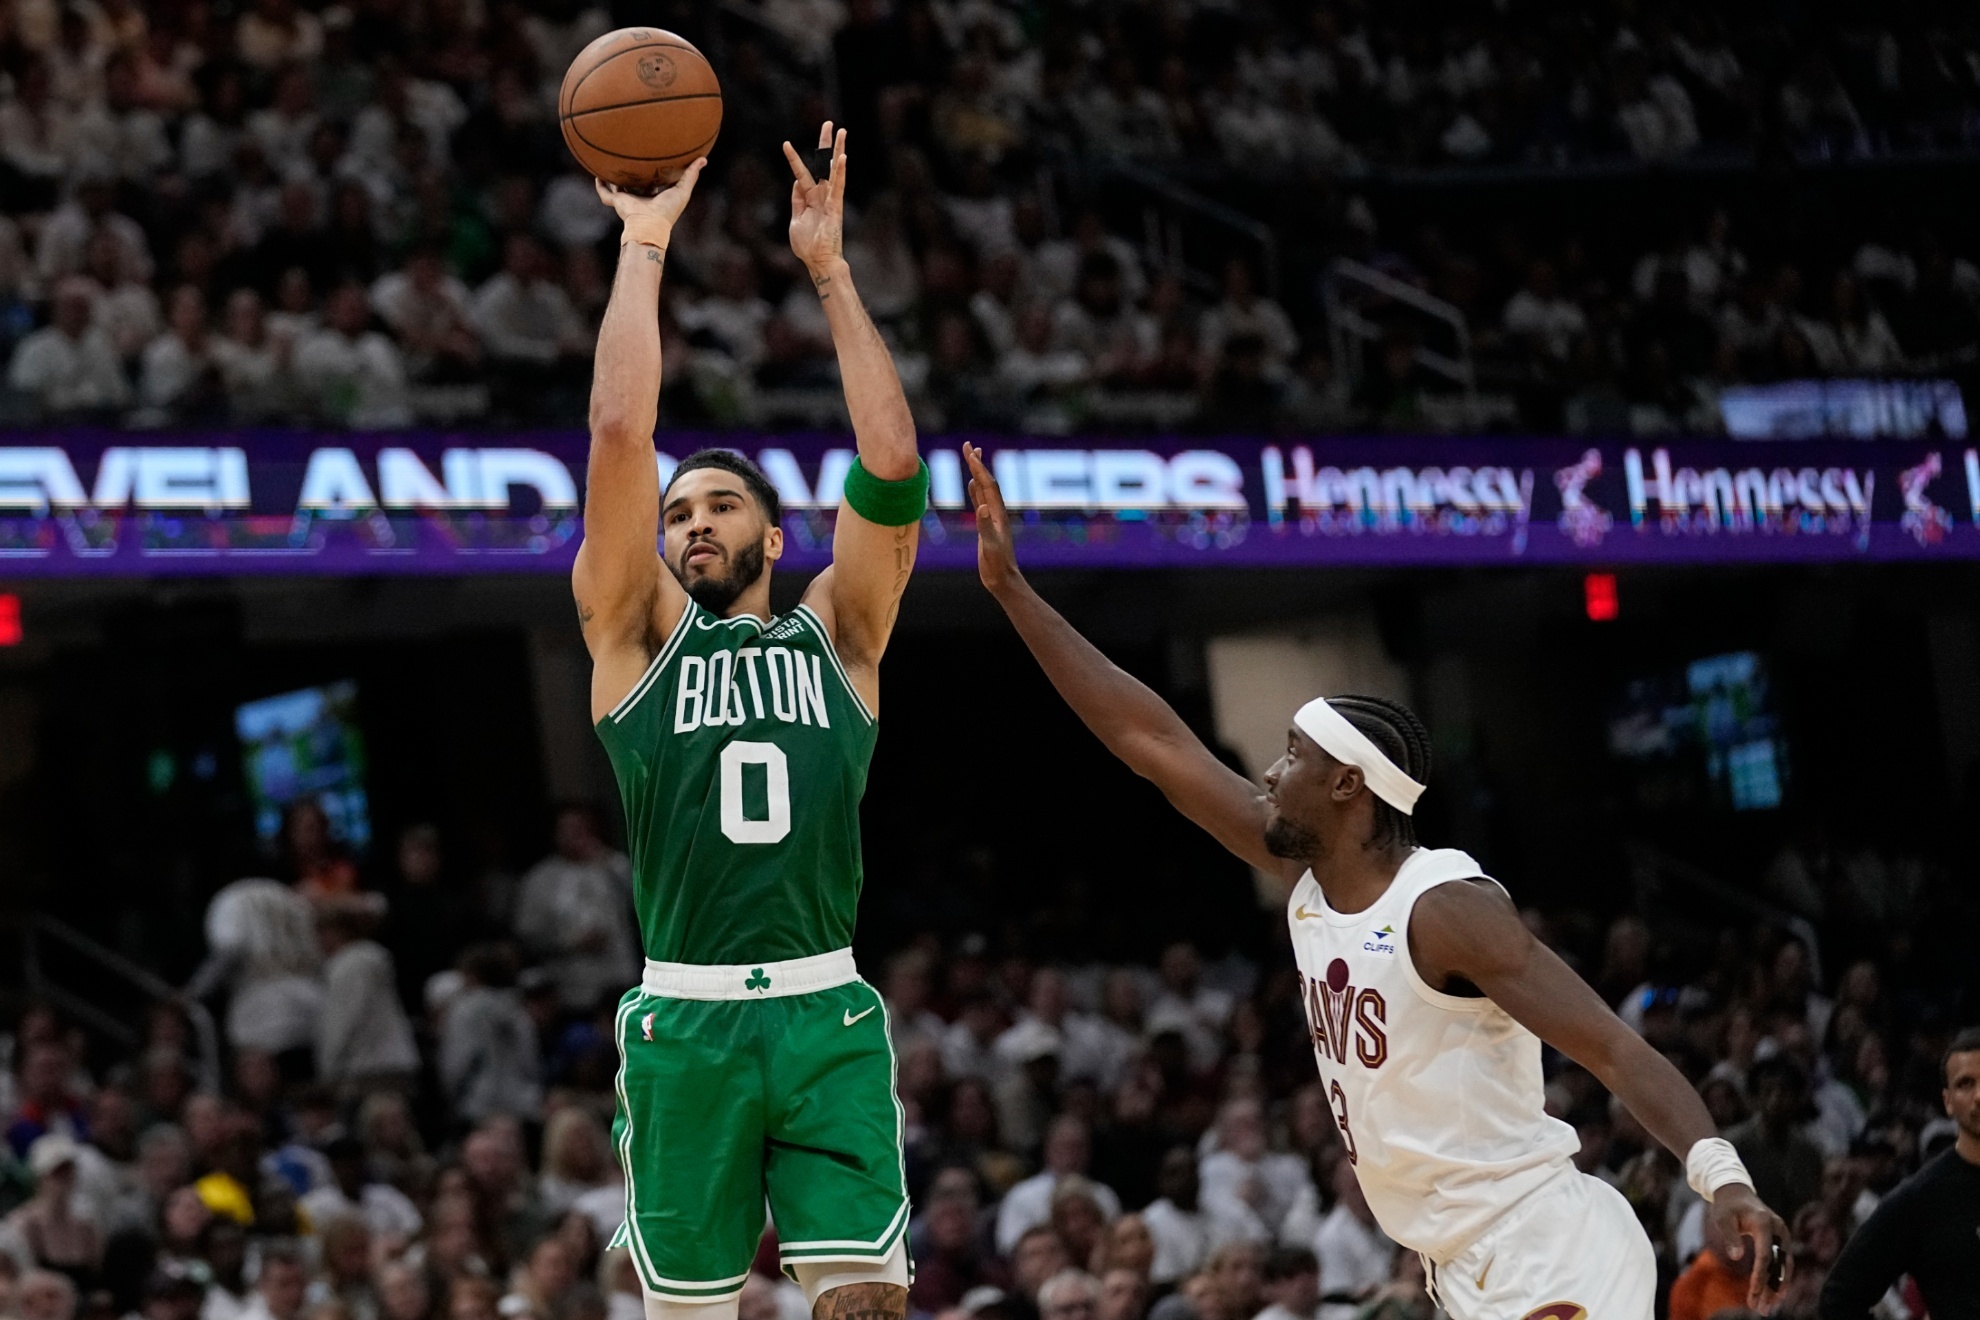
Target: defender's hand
(1739, 1214)
(996, 557)
(651, 219)
(818, 210)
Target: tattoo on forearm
(819, 282)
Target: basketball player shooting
(1426, 996)
(754, 1062)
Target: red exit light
(10, 620)
(1598, 591)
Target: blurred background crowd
(407, 1114)
(1125, 215)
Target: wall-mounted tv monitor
(1711, 722)
(302, 744)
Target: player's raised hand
(996, 556)
(1741, 1217)
(818, 210)
(651, 219)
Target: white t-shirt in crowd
(1030, 1203)
(1258, 1217)
(1182, 1240)
(1353, 1256)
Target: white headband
(1319, 721)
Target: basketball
(637, 106)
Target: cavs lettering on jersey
(741, 757)
(1438, 1097)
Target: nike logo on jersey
(1479, 1282)
(1301, 914)
(852, 1017)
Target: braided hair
(1394, 728)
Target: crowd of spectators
(362, 214)
(1650, 344)
(410, 1118)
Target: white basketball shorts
(1571, 1251)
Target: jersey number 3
(737, 827)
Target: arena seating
(1098, 217)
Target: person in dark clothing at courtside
(1929, 1226)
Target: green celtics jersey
(741, 756)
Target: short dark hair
(1099, 266)
(282, 1253)
(492, 964)
(1289, 1263)
(590, 812)
(1965, 1042)
(1777, 1067)
(728, 460)
(1038, 1230)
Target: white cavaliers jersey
(1438, 1097)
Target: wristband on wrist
(646, 230)
(1712, 1164)
(888, 503)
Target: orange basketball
(638, 105)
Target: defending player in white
(1426, 996)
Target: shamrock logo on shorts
(757, 980)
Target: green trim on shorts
(846, 1249)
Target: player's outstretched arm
(859, 596)
(626, 600)
(1134, 723)
(1473, 931)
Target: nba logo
(646, 1026)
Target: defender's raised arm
(1473, 931)
(878, 529)
(625, 599)
(1134, 723)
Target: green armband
(888, 503)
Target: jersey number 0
(738, 827)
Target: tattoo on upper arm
(862, 1301)
(585, 614)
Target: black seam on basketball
(687, 155)
(650, 100)
(644, 45)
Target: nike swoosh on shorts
(852, 1017)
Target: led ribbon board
(75, 504)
